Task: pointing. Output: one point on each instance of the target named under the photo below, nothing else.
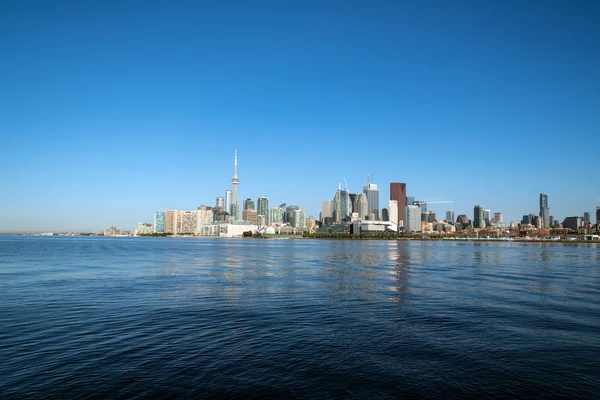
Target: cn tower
(235, 179)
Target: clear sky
(110, 111)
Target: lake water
(245, 318)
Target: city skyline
(106, 119)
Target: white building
(412, 219)
(393, 211)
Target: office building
(586, 218)
(385, 215)
(341, 205)
(262, 208)
(398, 194)
(370, 189)
(277, 214)
(478, 221)
(361, 206)
(450, 215)
(486, 217)
(544, 210)
(298, 218)
(248, 204)
(220, 202)
(326, 210)
(393, 210)
(228, 200)
(159, 221)
(598, 216)
(250, 215)
(497, 217)
(353, 197)
(290, 214)
(571, 223)
(235, 211)
(410, 200)
(412, 219)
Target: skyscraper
(341, 204)
(220, 202)
(398, 194)
(298, 218)
(598, 216)
(262, 208)
(393, 210)
(450, 215)
(248, 204)
(159, 222)
(326, 211)
(370, 189)
(277, 215)
(410, 200)
(235, 179)
(498, 217)
(478, 221)
(544, 210)
(586, 217)
(228, 200)
(362, 206)
(412, 219)
(290, 214)
(235, 211)
(486, 217)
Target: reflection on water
(219, 318)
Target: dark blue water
(213, 318)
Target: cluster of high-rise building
(346, 212)
(225, 217)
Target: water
(213, 318)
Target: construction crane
(432, 202)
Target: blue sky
(112, 110)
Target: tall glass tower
(372, 193)
(544, 210)
(262, 208)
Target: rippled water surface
(202, 318)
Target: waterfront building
(250, 216)
(326, 210)
(497, 217)
(144, 228)
(228, 200)
(170, 221)
(159, 222)
(248, 204)
(393, 210)
(277, 215)
(450, 215)
(262, 208)
(290, 214)
(370, 189)
(187, 222)
(544, 210)
(571, 223)
(235, 211)
(412, 219)
(478, 221)
(261, 220)
(398, 194)
(299, 219)
(204, 216)
(362, 206)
